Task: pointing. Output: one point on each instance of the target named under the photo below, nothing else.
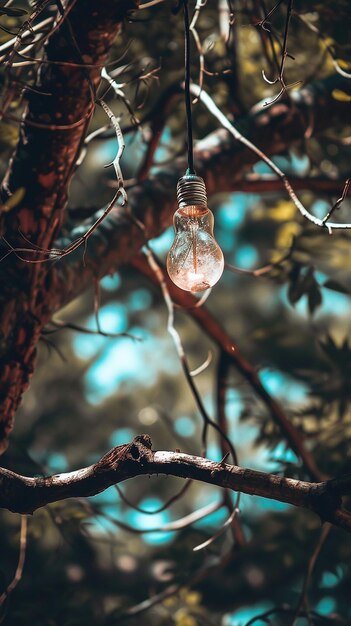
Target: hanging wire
(189, 120)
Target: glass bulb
(195, 261)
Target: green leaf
(295, 292)
(335, 286)
(308, 280)
(314, 298)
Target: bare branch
(148, 5)
(266, 269)
(26, 33)
(339, 202)
(24, 495)
(198, 6)
(284, 54)
(303, 601)
(121, 145)
(219, 532)
(209, 324)
(161, 508)
(21, 558)
(160, 276)
(212, 107)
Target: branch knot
(138, 450)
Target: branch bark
(22, 494)
(53, 127)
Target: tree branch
(220, 160)
(210, 325)
(22, 494)
(267, 183)
(35, 188)
(223, 119)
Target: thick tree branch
(53, 128)
(24, 495)
(220, 160)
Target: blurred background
(89, 559)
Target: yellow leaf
(341, 95)
(329, 41)
(193, 598)
(8, 134)
(286, 233)
(14, 200)
(282, 211)
(249, 67)
(277, 47)
(171, 601)
(182, 618)
(345, 65)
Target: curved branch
(213, 329)
(22, 494)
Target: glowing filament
(195, 261)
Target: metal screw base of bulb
(191, 191)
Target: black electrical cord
(189, 120)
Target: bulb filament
(195, 261)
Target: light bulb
(195, 261)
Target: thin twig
(213, 329)
(212, 107)
(180, 524)
(262, 271)
(121, 145)
(328, 47)
(198, 6)
(148, 5)
(203, 365)
(207, 420)
(160, 509)
(118, 91)
(21, 558)
(339, 202)
(25, 34)
(60, 325)
(220, 531)
(223, 369)
(284, 54)
(303, 601)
